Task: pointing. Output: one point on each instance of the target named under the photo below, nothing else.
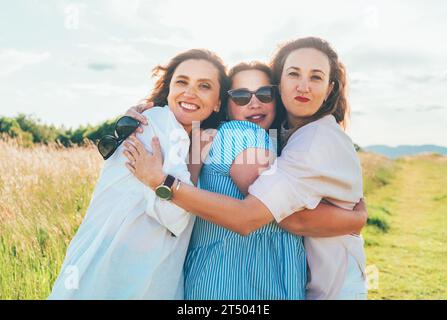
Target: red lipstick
(302, 99)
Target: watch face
(163, 192)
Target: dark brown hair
(253, 65)
(336, 103)
(257, 65)
(164, 74)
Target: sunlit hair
(253, 65)
(337, 102)
(257, 65)
(164, 74)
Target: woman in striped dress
(270, 263)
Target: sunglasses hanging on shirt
(124, 127)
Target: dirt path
(412, 256)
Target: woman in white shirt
(318, 163)
(131, 244)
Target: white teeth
(188, 106)
(256, 117)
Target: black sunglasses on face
(124, 127)
(242, 97)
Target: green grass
(44, 193)
(411, 254)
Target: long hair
(337, 102)
(164, 74)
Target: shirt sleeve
(165, 212)
(318, 162)
(287, 187)
(232, 139)
(169, 215)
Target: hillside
(405, 150)
(407, 231)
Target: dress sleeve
(233, 138)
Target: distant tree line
(29, 130)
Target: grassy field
(406, 235)
(45, 191)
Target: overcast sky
(79, 62)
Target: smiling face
(304, 83)
(194, 92)
(255, 111)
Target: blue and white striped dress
(268, 264)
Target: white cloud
(106, 89)
(12, 60)
(116, 52)
(170, 41)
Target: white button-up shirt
(131, 244)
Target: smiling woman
(181, 86)
(130, 244)
(192, 97)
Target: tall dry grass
(44, 193)
(377, 171)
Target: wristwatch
(164, 190)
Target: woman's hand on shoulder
(136, 113)
(361, 209)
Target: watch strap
(169, 181)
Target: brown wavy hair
(164, 74)
(337, 102)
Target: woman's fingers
(361, 205)
(145, 106)
(137, 144)
(139, 147)
(129, 156)
(129, 166)
(133, 113)
(136, 113)
(139, 130)
(131, 148)
(361, 208)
